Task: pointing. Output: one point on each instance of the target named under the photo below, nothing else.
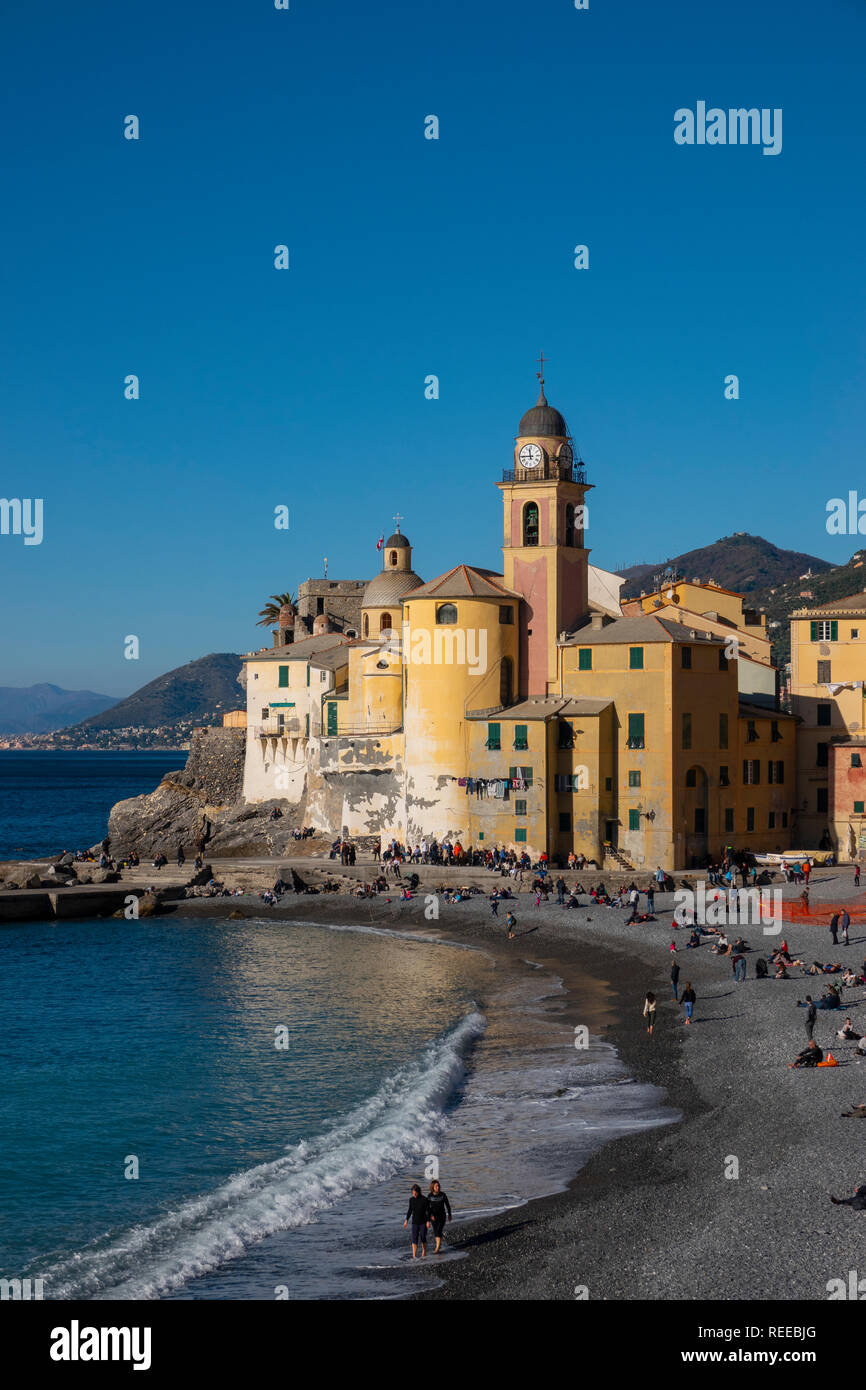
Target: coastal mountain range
(740, 562)
(202, 689)
(40, 709)
(774, 581)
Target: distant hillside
(780, 600)
(198, 690)
(39, 709)
(742, 562)
(772, 578)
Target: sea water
(52, 801)
(226, 1110)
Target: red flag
(381, 541)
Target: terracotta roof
(751, 711)
(543, 707)
(855, 604)
(303, 650)
(647, 628)
(464, 581)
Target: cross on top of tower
(397, 518)
(541, 359)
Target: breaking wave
(367, 1145)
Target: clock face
(565, 455)
(530, 456)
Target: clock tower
(544, 556)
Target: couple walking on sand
(430, 1211)
(687, 1001)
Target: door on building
(695, 813)
(332, 719)
(610, 829)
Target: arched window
(506, 681)
(569, 524)
(385, 622)
(392, 558)
(530, 524)
(366, 625)
(446, 613)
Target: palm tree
(271, 611)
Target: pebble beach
(730, 1203)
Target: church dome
(543, 421)
(397, 542)
(389, 586)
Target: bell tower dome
(544, 555)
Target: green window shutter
(521, 739)
(512, 773)
(493, 735)
(584, 659)
(834, 631)
(520, 834)
(307, 727)
(634, 820)
(813, 632)
(332, 719)
(284, 675)
(308, 675)
(635, 658)
(858, 808)
(520, 808)
(636, 730)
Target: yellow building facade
(509, 708)
(828, 668)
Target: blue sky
(408, 257)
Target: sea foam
(404, 1118)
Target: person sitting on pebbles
(809, 1057)
(846, 1032)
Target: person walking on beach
(675, 978)
(560, 890)
(689, 1000)
(419, 1215)
(181, 857)
(811, 1015)
(844, 923)
(738, 965)
(834, 928)
(660, 877)
(649, 1012)
(511, 923)
(494, 906)
(440, 1212)
(651, 900)
(856, 875)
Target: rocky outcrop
(175, 815)
(201, 808)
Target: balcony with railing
(549, 468)
(371, 729)
(279, 728)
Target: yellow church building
(526, 707)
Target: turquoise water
(50, 802)
(155, 1041)
(156, 1143)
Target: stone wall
(340, 598)
(215, 765)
